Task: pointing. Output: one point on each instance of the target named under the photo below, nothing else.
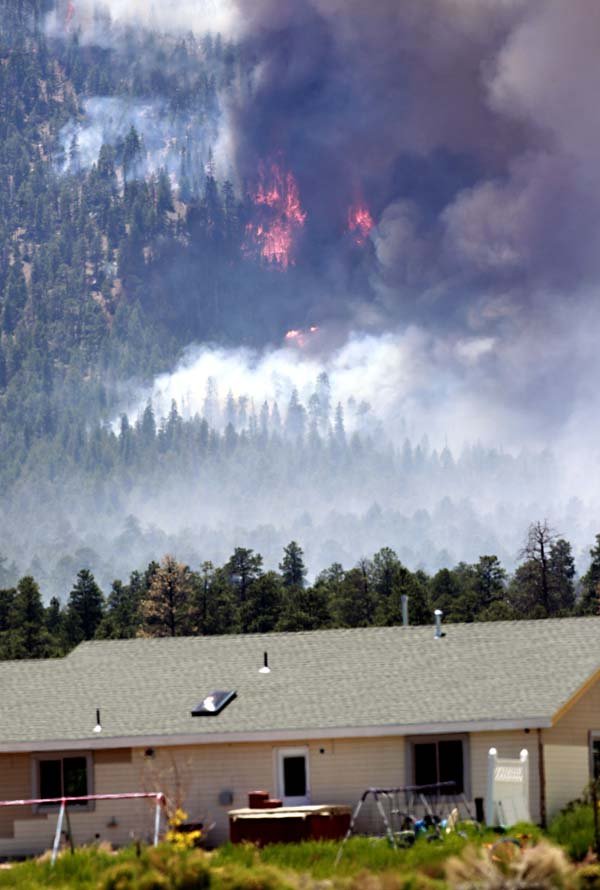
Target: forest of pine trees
(106, 271)
(172, 599)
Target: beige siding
(567, 752)
(15, 782)
(193, 777)
(340, 770)
(27, 832)
(567, 773)
(574, 726)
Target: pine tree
(350, 594)
(292, 566)
(262, 608)
(120, 620)
(28, 635)
(589, 604)
(243, 567)
(490, 581)
(55, 625)
(165, 608)
(85, 608)
(214, 607)
(562, 577)
(132, 151)
(532, 579)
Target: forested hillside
(105, 272)
(171, 599)
(131, 233)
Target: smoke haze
(468, 129)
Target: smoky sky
(467, 127)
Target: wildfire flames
(360, 223)
(279, 218)
(301, 337)
(69, 13)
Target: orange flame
(360, 223)
(279, 218)
(300, 337)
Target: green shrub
(191, 871)
(123, 876)
(573, 828)
(259, 877)
(588, 877)
(151, 879)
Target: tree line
(171, 599)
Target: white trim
(280, 755)
(275, 735)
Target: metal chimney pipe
(404, 600)
(438, 624)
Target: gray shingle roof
(323, 681)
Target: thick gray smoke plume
(468, 128)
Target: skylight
(214, 703)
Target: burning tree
(360, 223)
(278, 217)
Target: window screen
(294, 776)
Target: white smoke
(182, 17)
(166, 136)
(415, 383)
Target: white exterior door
(293, 779)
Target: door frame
(280, 755)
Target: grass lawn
(455, 862)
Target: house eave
(280, 735)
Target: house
(337, 711)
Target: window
(214, 703)
(436, 760)
(63, 776)
(292, 777)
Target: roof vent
(404, 600)
(214, 703)
(265, 669)
(438, 625)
